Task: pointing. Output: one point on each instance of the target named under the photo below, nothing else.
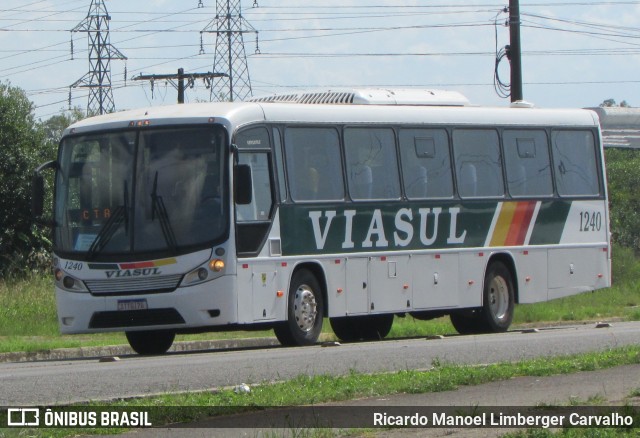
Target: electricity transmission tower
(101, 52)
(230, 57)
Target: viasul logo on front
(133, 273)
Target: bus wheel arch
(499, 296)
(318, 272)
(306, 298)
(507, 259)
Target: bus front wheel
(151, 342)
(305, 311)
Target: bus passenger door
(253, 222)
(257, 298)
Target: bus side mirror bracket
(243, 184)
(37, 193)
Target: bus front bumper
(208, 304)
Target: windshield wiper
(119, 216)
(158, 207)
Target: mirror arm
(37, 193)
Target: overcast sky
(575, 53)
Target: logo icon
(23, 417)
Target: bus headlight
(213, 269)
(68, 283)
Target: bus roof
(233, 115)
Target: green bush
(625, 266)
(624, 203)
(24, 144)
(22, 149)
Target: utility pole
(230, 57)
(101, 52)
(515, 51)
(180, 77)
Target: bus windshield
(140, 192)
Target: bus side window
(372, 165)
(478, 163)
(254, 147)
(526, 156)
(314, 166)
(426, 163)
(261, 202)
(575, 162)
(468, 180)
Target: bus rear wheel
(498, 300)
(366, 328)
(151, 342)
(498, 303)
(305, 311)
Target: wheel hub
(305, 308)
(498, 297)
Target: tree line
(25, 143)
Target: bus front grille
(135, 318)
(134, 286)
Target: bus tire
(366, 328)
(344, 328)
(305, 311)
(375, 327)
(152, 342)
(498, 298)
(467, 322)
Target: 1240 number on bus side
(590, 221)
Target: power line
(101, 53)
(283, 14)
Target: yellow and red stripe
(150, 264)
(134, 265)
(512, 223)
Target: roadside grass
(28, 319)
(306, 390)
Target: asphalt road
(67, 381)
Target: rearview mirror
(37, 192)
(37, 195)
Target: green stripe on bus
(352, 228)
(550, 223)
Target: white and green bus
(353, 206)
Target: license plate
(140, 304)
